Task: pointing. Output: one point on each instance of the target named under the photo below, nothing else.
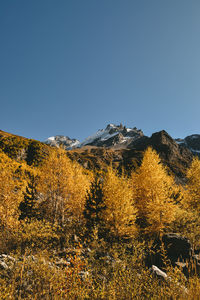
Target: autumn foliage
(153, 190)
(54, 203)
(120, 212)
(192, 192)
(10, 191)
(63, 185)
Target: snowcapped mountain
(111, 136)
(120, 137)
(65, 141)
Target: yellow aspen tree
(10, 192)
(192, 193)
(153, 192)
(63, 186)
(120, 212)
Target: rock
(176, 247)
(164, 277)
(60, 140)
(6, 265)
(6, 262)
(3, 265)
(8, 257)
(158, 273)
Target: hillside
(127, 155)
(23, 149)
(99, 222)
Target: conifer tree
(28, 206)
(94, 207)
(153, 191)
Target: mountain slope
(23, 149)
(176, 157)
(121, 146)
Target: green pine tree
(94, 208)
(28, 205)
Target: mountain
(111, 136)
(124, 147)
(120, 137)
(65, 141)
(116, 144)
(176, 156)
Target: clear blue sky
(72, 66)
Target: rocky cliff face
(61, 140)
(191, 142)
(165, 145)
(176, 156)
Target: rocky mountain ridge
(65, 141)
(111, 136)
(119, 136)
(117, 145)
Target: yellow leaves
(37, 234)
(192, 193)
(149, 195)
(152, 191)
(10, 193)
(13, 181)
(63, 185)
(120, 213)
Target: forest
(72, 233)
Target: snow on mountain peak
(112, 135)
(101, 135)
(62, 140)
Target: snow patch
(102, 134)
(75, 144)
(51, 138)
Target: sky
(70, 67)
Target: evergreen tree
(28, 206)
(94, 208)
